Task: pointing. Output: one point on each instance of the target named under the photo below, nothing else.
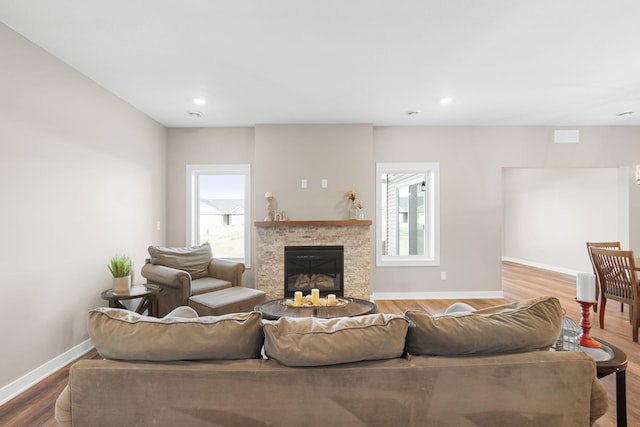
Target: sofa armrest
(223, 269)
(599, 401)
(165, 276)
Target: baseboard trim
(542, 266)
(437, 295)
(23, 383)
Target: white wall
(82, 177)
(551, 213)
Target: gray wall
(81, 178)
(472, 160)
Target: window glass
(219, 209)
(407, 214)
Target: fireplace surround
(353, 235)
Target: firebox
(308, 267)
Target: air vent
(566, 136)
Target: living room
(87, 175)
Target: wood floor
(35, 406)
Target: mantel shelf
(315, 223)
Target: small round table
(275, 309)
(616, 362)
(610, 359)
(147, 292)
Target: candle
(297, 298)
(586, 287)
(315, 296)
(331, 299)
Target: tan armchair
(183, 272)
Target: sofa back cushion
(194, 260)
(311, 341)
(126, 335)
(518, 327)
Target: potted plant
(120, 268)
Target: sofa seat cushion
(529, 325)
(208, 284)
(310, 341)
(235, 299)
(194, 260)
(126, 335)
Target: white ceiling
(504, 62)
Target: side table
(610, 359)
(148, 294)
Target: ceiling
(503, 62)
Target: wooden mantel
(315, 223)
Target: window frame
(431, 172)
(193, 203)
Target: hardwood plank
(35, 406)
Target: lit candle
(586, 287)
(315, 296)
(331, 299)
(297, 298)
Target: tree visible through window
(219, 209)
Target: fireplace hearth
(309, 267)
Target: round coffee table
(147, 292)
(275, 309)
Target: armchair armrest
(230, 271)
(175, 284)
(166, 276)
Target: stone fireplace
(352, 235)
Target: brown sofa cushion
(194, 260)
(311, 341)
(126, 335)
(518, 327)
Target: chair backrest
(616, 272)
(602, 245)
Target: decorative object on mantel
(269, 198)
(120, 268)
(355, 208)
(586, 297)
(279, 216)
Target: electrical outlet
(325, 183)
(443, 275)
(303, 183)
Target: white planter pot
(121, 285)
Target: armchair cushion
(194, 260)
(126, 335)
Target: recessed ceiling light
(199, 101)
(413, 113)
(195, 113)
(446, 100)
(625, 113)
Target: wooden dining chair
(602, 245)
(616, 272)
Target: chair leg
(636, 321)
(603, 304)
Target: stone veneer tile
(357, 255)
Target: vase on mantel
(354, 211)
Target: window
(219, 209)
(407, 206)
